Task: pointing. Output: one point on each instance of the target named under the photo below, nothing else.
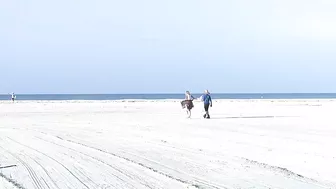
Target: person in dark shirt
(206, 98)
(13, 97)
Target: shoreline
(170, 100)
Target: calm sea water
(169, 96)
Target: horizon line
(168, 93)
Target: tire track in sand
(101, 161)
(129, 176)
(31, 172)
(11, 181)
(76, 177)
(288, 173)
(180, 180)
(183, 181)
(47, 173)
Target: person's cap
(206, 92)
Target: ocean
(169, 96)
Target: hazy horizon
(167, 93)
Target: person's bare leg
(189, 113)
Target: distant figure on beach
(206, 98)
(13, 97)
(188, 103)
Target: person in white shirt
(188, 103)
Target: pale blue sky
(153, 46)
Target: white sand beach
(281, 144)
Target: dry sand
(151, 144)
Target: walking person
(206, 98)
(188, 103)
(13, 97)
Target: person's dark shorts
(206, 107)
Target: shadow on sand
(251, 117)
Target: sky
(169, 46)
